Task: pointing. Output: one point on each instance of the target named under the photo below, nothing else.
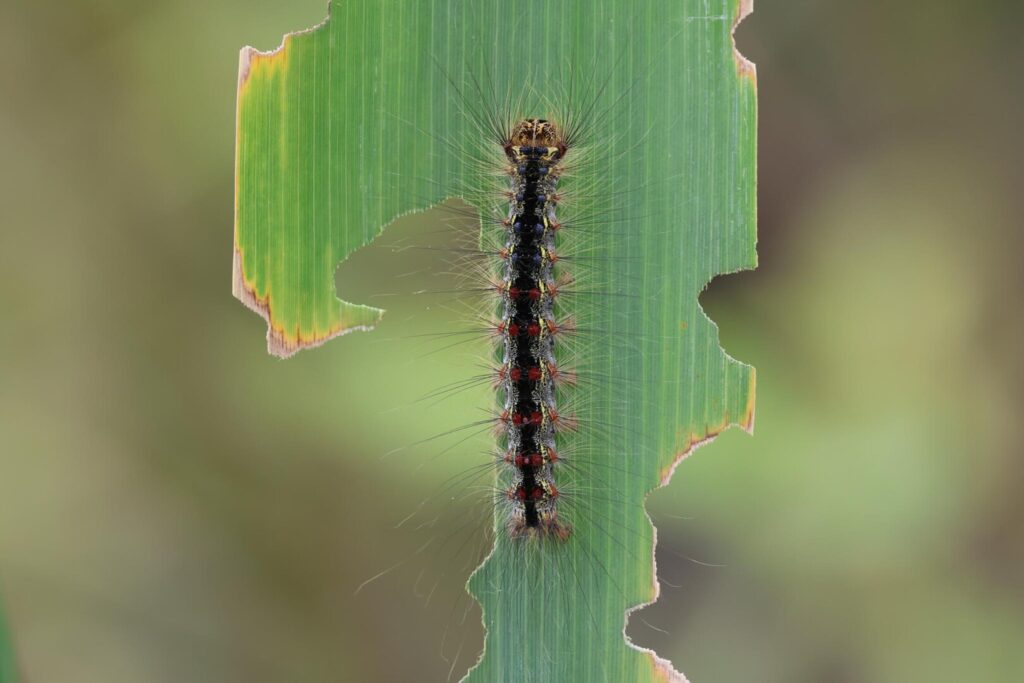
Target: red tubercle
(536, 417)
(521, 493)
(533, 330)
(517, 374)
(513, 329)
(513, 292)
(528, 460)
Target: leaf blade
(323, 136)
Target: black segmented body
(529, 355)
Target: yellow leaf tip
(282, 342)
(250, 58)
(748, 413)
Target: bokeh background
(175, 505)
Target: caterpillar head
(535, 139)
(535, 132)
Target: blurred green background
(179, 506)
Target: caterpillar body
(528, 330)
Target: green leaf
(344, 128)
(8, 663)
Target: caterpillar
(528, 330)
